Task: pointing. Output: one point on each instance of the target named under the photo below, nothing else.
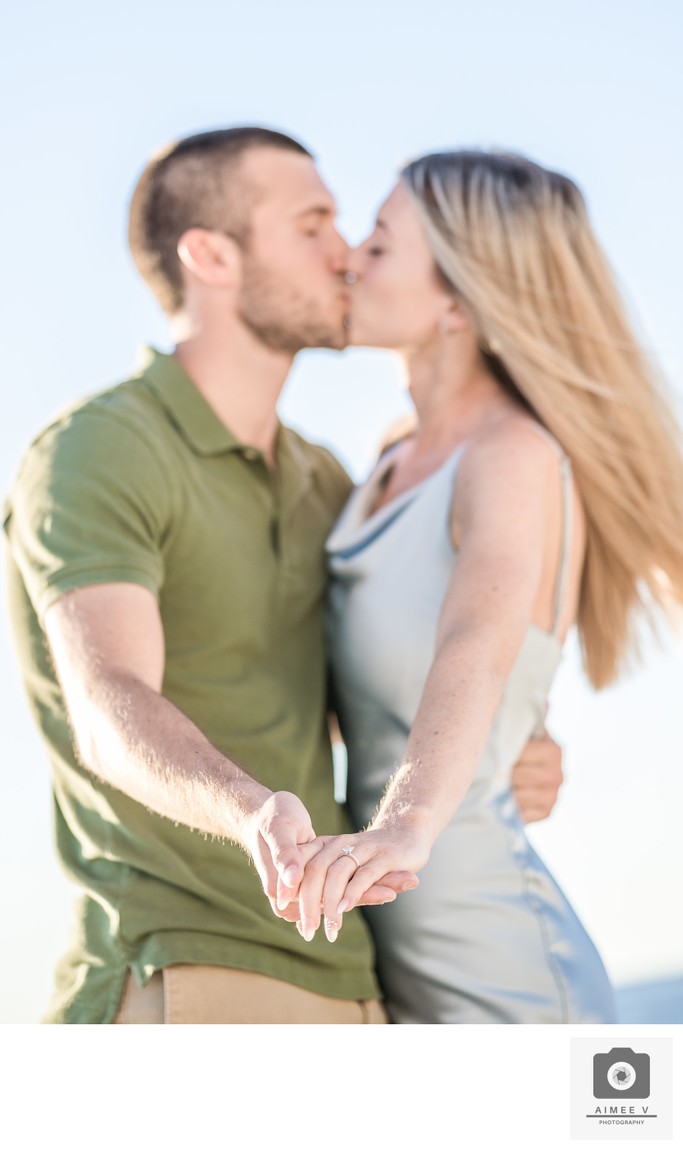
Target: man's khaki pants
(201, 994)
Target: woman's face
(397, 301)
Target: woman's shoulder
(511, 440)
(511, 464)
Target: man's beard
(282, 319)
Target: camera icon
(621, 1074)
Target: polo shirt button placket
(253, 455)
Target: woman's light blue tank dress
(488, 936)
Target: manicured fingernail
(409, 886)
(331, 930)
(308, 930)
(342, 906)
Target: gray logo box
(621, 1088)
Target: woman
(541, 487)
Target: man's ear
(211, 257)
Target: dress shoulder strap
(563, 571)
(565, 546)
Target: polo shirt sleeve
(90, 505)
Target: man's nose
(341, 255)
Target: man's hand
(281, 841)
(537, 777)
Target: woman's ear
(454, 319)
(211, 257)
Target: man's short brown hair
(192, 183)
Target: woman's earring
(490, 347)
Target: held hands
(283, 845)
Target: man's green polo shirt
(144, 484)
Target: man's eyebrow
(318, 210)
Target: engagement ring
(347, 852)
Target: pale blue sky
(594, 88)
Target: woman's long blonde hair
(514, 242)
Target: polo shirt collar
(193, 417)
(294, 461)
(206, 434)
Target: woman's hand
(349, 868)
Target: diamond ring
(347, 852)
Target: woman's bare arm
(506, 483)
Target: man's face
(293, 292)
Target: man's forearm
(137, 741)
(108, 649)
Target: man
(166, 575)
